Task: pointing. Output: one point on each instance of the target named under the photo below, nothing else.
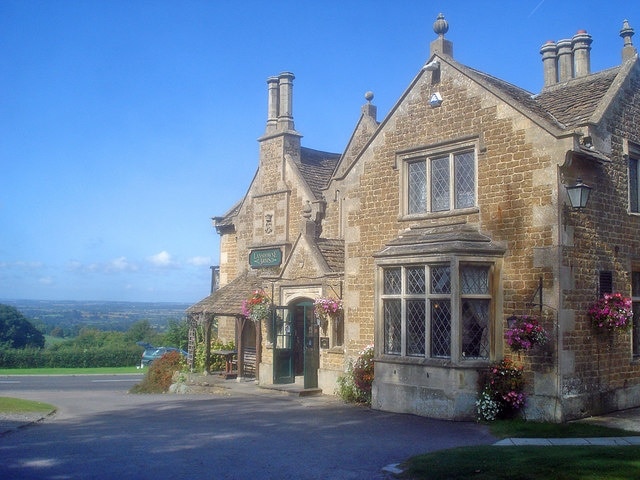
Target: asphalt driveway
(239, 433)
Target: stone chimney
(285, 115)
(549, 53)
(628, 50)
(280, 103)
(581, 42)
(274, 100)
(440, 45)
(565, 60)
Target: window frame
(635, 306)
(455, 298)
(427, 156)
(632, 153)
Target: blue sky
(126, 125)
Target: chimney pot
(273, 104)
(581, 58)
(565, 60)
(285, 113)
(549, 53)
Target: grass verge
(532, 463)
(524, 429)
(70, 371)
(527, 463)
(19, 406)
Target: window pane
(440, 328)
(635, 284)
(475, 328)
(474, 280)
(635, 334)
(392, 326)
(392, 281)
(633, 185)
(417, 187)
(441, 279)
(415, 280)
(465, 180)
(416, 330)
(440, 184)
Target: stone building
(439, 223)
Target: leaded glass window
(634, 191)
(441, 183)
(635, 297)
(393, 326)
(418, 316)
(465, 180)
(417, 187)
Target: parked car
(152, 353)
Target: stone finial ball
(368, 96)
(440, 26)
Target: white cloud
(46, 281)
(199, 261)
(162, 260)
(121, 264)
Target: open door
(283, 342)
(311, 345)
(296, 349)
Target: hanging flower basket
(611, 312)
(524, 333)
(257, 307)
(326, 309)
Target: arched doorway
(296, 350)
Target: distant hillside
(71, 316)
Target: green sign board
(265, 258)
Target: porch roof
(227, 300)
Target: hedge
(77, 358)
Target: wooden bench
(249, 362)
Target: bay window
(430, 309)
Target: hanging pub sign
(265, 258)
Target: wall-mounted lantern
(579, 194)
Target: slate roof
(332, 251)
(574, 102)
(317, 168)
(227, 300)
(565, 105)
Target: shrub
(355, 385)
(217, 362)
(159, 374)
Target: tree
(141, 331)
(16, 331)
(177, 334)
